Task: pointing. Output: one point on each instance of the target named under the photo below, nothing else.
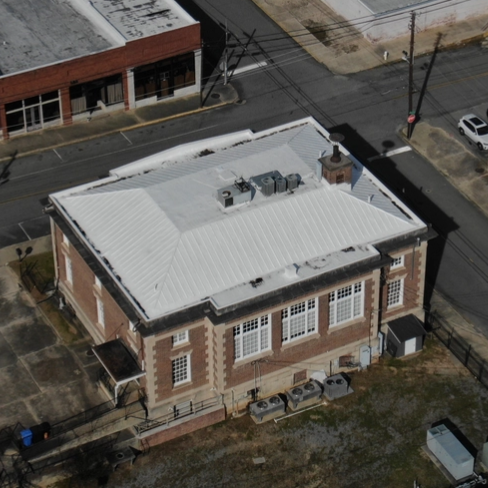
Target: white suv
(475, 129)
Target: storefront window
(161, 79)
(33, 113)
(91, 96)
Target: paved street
(283, 83)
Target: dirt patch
(371, 438)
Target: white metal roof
(44, 32)
(170, 244)
(135, 19)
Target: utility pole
(411, 112)
(226, 53)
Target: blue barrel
(26, 437)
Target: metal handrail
(192, 409)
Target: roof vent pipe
(336, 139)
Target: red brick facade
(114, 61)
(165, 353)
(183, 428)
(411, 273)
(213, 368)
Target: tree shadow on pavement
(415, 198)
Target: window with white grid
(180, 338)
(252, 337)
(395, 293)
(299, 320)
(100, 312)
(397, 262)
(346, 304)
(69, 269)
(181, 370)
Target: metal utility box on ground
(447, 448)
(267, 409)
(304, 395)
(484, 456)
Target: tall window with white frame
(100, 312)
(68, 266)
(181, 370)
(252, 337)
(299, 320)
(395, 293)
(346, 304)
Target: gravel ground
(373, 437)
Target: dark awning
(118, 361)
(406, 328)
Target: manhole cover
(215, 95)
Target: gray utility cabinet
(447, 448)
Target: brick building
(235, 267)
(71, 60)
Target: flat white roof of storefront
(46, 32)
(136, 19)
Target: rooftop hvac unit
(268, 187)
(239, 192)
(304, 395)
(267, 409)
(337, 386)
(280, 184)
(292, 180)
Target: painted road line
(249, 67)
(388, 154)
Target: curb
(115, 131)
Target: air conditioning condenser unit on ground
(304, 395)
(337, 386)
(267, 409)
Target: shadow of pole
(424, 85)
(5, 173)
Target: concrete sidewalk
(344, 50)
(214, 95)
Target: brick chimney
(336, 168)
